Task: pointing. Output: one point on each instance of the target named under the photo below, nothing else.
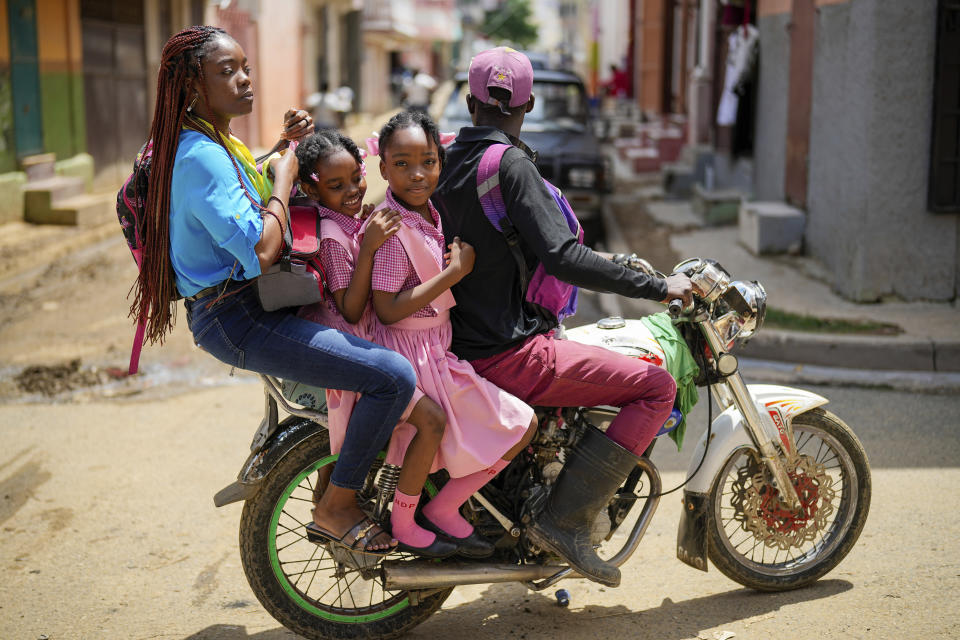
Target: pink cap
(501, 67)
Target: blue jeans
(237, 331)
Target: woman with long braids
(213, 223)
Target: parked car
(559, 129)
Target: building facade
(41, 80)
(78, 77)
(848, 95)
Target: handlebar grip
(675, 307)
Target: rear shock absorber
(389, 476)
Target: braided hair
(321, 145)
(180, 63)
(406, 119)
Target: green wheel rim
(294, 532)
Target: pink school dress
(483, 421)
(339, 249)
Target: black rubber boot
(594, 470)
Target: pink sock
(443, 509)
(401, 522)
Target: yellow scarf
(239, 151)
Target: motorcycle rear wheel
(761, 548)
(298, 582)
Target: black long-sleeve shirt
(491, 315)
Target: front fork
(759, 425)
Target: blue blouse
(213, 225)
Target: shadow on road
(510, 611)
(672, 620)
(237, 632)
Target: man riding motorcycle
(511, 342)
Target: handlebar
(675, 307)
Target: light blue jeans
(237, 331)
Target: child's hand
(460, 258)
(382, 224)
(366, 210)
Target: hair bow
(447, 138)
(373, 144)
(363, 165)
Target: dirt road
(109, 531)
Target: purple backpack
(544, 290)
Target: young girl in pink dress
(486, 426)
(332, 175)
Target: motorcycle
(776, 494)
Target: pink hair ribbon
(363, 165)
(373, 145)
(447, 138)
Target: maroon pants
(544, 371)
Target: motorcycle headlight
(708, 277)
(582, 178)
(755, 299)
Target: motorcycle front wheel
(300, 583)
(756, 542)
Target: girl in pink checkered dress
(412, 275)
(332, 175)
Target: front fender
(727, 435)
(290, 432)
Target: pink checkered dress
(339, 249)
(483, 421)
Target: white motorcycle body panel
(777, 402)
(729, 434)
(633, 339)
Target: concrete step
(39, 166)
(43, 196)
(678, 180)
(85, 210)
(716, 206)
(771, 227)
(677, 215)
(642, 159)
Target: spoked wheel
(755, 541)
(302, 584)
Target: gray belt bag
(296, 278)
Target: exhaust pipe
(426, 574)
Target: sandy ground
(109, 531)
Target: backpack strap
(494, 208)
(424, 263)
(330, 230)
(137, 347)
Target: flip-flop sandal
(360, 533)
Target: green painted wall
(78, 114)
(8, 149)
(63, 115)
